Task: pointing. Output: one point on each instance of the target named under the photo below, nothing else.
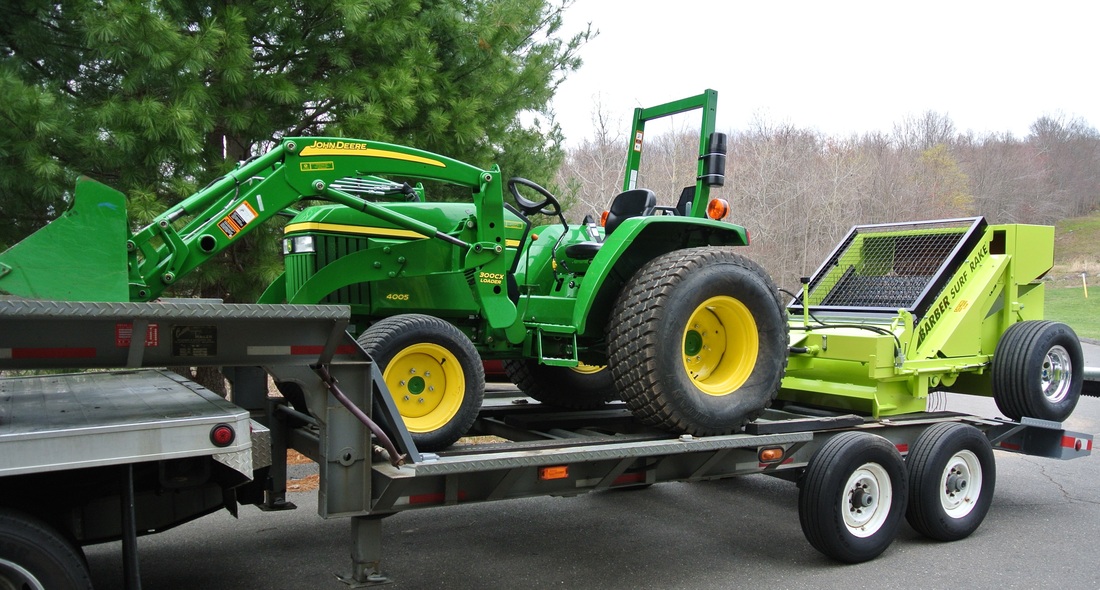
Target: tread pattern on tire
(16, 528)
(1010, 392)
(924, 521)
(635, 320)
(814, 499)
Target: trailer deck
(57, 422)
(55, 429)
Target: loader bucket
(80, 256)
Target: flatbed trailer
(94, 457)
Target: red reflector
(434, 498)
(1077, 444)
(52, 353)
(222, 435)
(426, 498)
(629, 478)
(902, 448)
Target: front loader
(653, 306)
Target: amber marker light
(771, 454)
(553, 472)
(603, 218)
(717, 209)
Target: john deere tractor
(652, 305)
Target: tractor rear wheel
(1038, 371)
(698, 341)
(584, 387)
(433, 373)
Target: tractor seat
(638, 202)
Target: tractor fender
(635, 242)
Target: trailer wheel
(34, 555)
(952, 474)
(584, 387)
(433, 373)
(1037, 371)
(698, 341)
(852, 497)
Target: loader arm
(189, 233)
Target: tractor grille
(300, 267)
(888, 267)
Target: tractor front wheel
(433, 373)
(698, 341)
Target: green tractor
(653, 306)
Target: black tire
(437, 409)
(1038, 371)
(583, 388)
(853, 496)
(710, 377)
(292, 392)
(952, 475)
(32, 554)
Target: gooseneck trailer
(106, 455)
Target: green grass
(1075, 239)
(1069, 305)
(1076, 251)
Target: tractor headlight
(299, 245)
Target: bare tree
(798, 191)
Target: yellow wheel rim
(585, 369)
(428, 385)
(719, 345)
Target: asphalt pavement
(740, 532)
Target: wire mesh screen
(888, 267)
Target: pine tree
(159, 97)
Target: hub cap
(1057, 374)
(719, 345)
(867, 498)
(961, 484)
(428, 385)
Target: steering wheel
(548, 206)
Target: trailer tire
(585, 387)
(852, 497)
(952, 475)
(698, 341)
(34, 555)
(1037, 371)
(437, 408)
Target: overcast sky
(839, 67)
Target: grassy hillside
(1069, 305)
(1076, 251)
